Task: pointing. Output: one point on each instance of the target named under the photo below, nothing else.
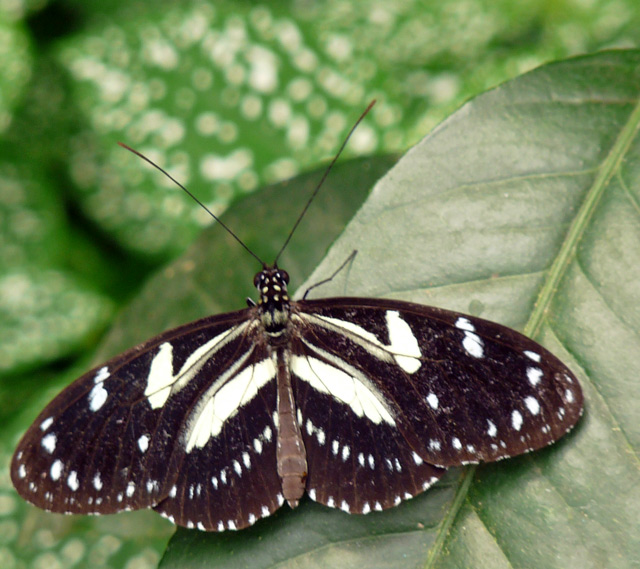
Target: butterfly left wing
(447, 389)
(158, 427)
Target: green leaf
(522, 208)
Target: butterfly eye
(256, 279)
(284, 276)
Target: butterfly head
(273, 298)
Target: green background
(522, 205)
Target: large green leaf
(522, 208)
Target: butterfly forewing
(144, 429)
(459, 389)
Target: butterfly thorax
(273, 300)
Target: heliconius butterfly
(359, 402)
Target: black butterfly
(361, 403)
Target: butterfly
(359, 403)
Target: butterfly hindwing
(354, 464)
(459, 389)
(230, 481)
(131, 433)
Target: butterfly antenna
(194, 198)
(324, 177)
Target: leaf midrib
(569, 246)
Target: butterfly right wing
(158, 426)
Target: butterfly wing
(435, 387)
(355, 464)
(146, 429)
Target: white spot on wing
(532, 355)
(143, 443)
(97, 482)
(463, 323)
(568, 395)
(533, 375)
(492, 431)
(49, 442)
(455, 442)
(432, 400)
(56, 470)
(532, 404)
(97, 397)
(131, 488)
(72, 481)
(22, 471)
(417, 459)
(516, 420)
(404, 345)
(471, 341)
(101, 375)
(346, 451)
(473, 345)
(46, 424)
